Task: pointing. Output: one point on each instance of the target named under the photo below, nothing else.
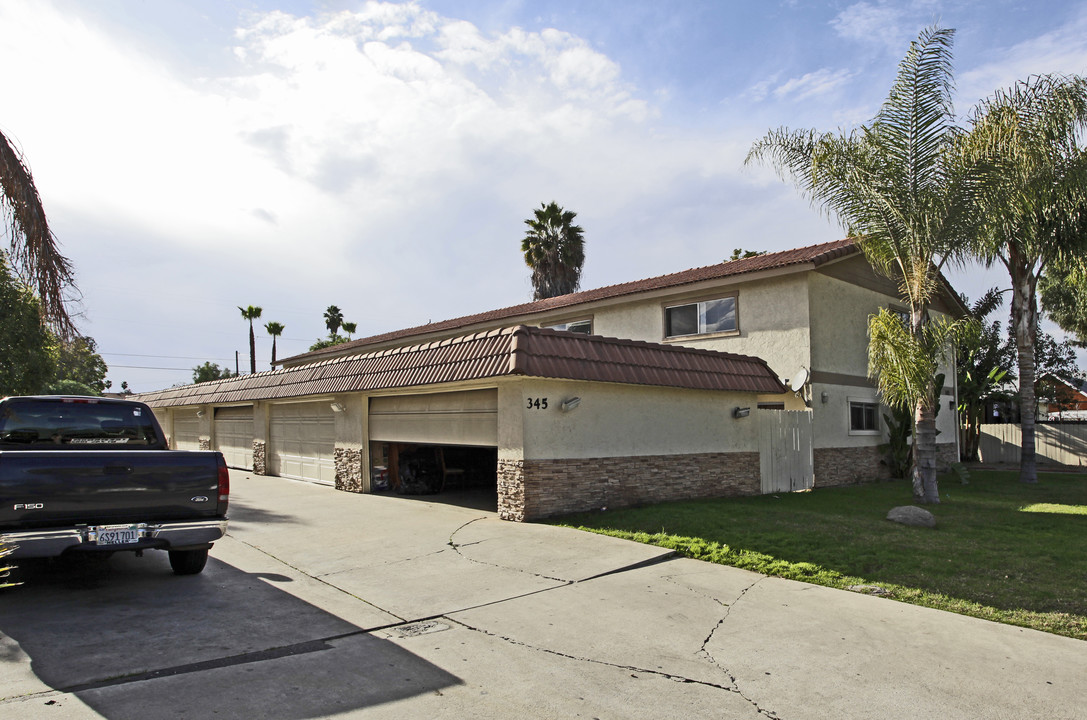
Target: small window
(578, 326)
(701, 318)
(771, 406)
(863, 417)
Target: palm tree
(894, 186)
(349, 328)
(35, 257)
(333, 320)
(1034, 205)
(275, 330)
(251, 313)
(555, 250)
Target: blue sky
(198, 156)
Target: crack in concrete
(629, 668)
(457, 549)
(320, 579)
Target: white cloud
(813, 84)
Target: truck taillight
(224, 486)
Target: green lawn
(1001, 550)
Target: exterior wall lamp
(338, 407)
(739, 412)
(824, 396)
(568, 405)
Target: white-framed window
(863, 416)
(575, 326)
(705, 317)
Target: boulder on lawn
(912, 515)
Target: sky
(199, 156)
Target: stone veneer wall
(205, 444)
(534, 489)
(260, 458)
(835, 467)
(348, 469)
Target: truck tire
(188, 562)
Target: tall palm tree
(894, 186)
(555, 250)
(34, 256)
(251, 313)
(350, 328)
(333, 319)
(1034, 204)
(275, 330)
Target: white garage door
(234, 435)
(186, 430)
(303, 439)
(469, 417)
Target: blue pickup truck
(94, 475)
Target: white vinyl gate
(234, 435)
(785, 450)
(302, 439)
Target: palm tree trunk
(925, 488)
(252, 349)
(273, 352)
(1025, 324)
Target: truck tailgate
(44, 488)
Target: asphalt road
(325, 604)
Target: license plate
(117, 534)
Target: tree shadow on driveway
(131, 640)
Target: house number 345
(537, 404)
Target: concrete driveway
(326, 604)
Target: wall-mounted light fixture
(338, 407)
(950, 404)
(200, 413)
(568, 405)
(824, 396)
(739, 412)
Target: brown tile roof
(815, 255)
(518, 350)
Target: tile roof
(518, 350)
(814, 254)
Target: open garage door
(186, 430)
(303, 442)
(234, 435)
(468, 417)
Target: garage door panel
(186, 430)
(303, 442)
(234, 436)
(456, 418)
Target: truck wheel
(188, 562)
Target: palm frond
(35, 255)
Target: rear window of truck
(75, 424)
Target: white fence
(1055, 443)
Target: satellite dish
(799, 380)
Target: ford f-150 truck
(94, 475)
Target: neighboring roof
(519, 350)
(814, 255)
(1076, 384)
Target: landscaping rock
(912, 515)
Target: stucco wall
(773, 321)
(624, 421)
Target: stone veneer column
(260, 461)
(511, 490)
(348, 469)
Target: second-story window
(701, 318)
(578, 326)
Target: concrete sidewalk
(322, 603)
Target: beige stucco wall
(624, 421)
(839, 321)
(773, 321)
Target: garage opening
(457, 474)
(437, 444)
